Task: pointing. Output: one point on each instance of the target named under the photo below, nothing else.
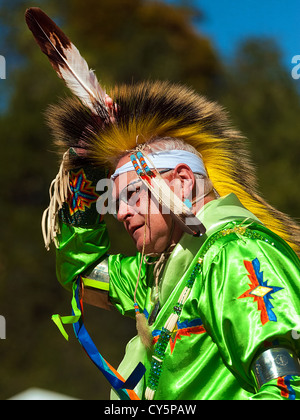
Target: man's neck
(199, 204)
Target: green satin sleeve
(82, 248)
(79, 248)
(123, 275)
(249, 300)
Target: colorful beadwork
(83, 193)
(188, 203)
(136, 166)
(164, 338)
(287, 391)
(184, 328)
(144, 164)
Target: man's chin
(140, 245)
(150, 245)
(149, 248)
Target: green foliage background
(125, 41)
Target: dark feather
(51, 39)
(67, 61)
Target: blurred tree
(132, 40)
(124, 40)
(264, 102)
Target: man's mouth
(133, 229)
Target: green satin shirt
(244, 301)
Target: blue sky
(229, 22)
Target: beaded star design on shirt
(260, 291)
(185, 328)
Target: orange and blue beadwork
(136, 166)
(144, 164)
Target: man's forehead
(124, 179)
(123, 160)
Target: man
(214, 285)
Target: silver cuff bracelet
(96, 286)
(273, 363)
(99, 273)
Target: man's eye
(131, 194)
(135, 190)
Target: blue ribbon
(87, 343)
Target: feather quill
(67, 61)
(166, 197)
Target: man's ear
(183, 174)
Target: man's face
(142, 216)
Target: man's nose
(124, 211)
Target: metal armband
(98, 278)
(274, 363)
(96, 285)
